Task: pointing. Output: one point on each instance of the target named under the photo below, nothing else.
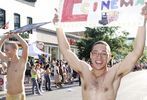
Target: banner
(96, 13)
(29, 27)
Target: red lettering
(95, 6)
(67, 15)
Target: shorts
(20, 96)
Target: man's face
(9, 50)
(100, 56)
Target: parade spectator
(47, 78)
(40, 79)
(57, 76)
(61, 70)
(34, 76)
(64, 72)
(28, 73)
(69, 73)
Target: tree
(144, 57)
(118, 45)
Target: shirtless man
(16, 66)
(99, 82)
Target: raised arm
(24, 46)
(3, 39)
(64, 46)
(130, 60)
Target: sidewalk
(72, 93)
(2, 93)
(28, 88)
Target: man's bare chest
(15, 68)
(97, 85)
(103, 83)
(98, 90)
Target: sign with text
(91, 13)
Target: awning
(34, 51)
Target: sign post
(3, 83)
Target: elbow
(25, 45)
(138, 53)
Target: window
(16, 21)
(54, 53)
(2, 18)
(30, 21)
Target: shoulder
(114, 68)
(23, 61)
(85, 66)
(111, 74)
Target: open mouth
(98, 62)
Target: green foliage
(117, 43)
(144, 57)
(24, 35)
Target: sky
(45, 12)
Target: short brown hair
(13, 45)
(101, 42)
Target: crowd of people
(40, 74)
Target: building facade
(17, 13)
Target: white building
(21, 12)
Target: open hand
(56, 17)
(144, 11)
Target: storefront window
(54, 53)
(16, 21)
(2, 18)
(29, 21)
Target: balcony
(28, 2)
(31, 1)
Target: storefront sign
(1, 81)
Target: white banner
(76, 14)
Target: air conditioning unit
(31, 0)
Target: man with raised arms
(15, 66)
(99, 82)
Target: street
(73, 93)
(70, 91)
(133, 87)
